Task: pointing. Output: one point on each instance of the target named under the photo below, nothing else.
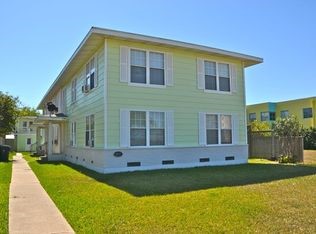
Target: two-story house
(136, 102)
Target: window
(73, 134)
(272, 116)
(284, 114)
(252, 117)
(147, 67)
(307, 113)
(74, 90)
(90, 130)
(218, 129)
(138, 128)
(90, 74)
(24, 124)
(217, 76)
(147, 128)
(265, 116)
(28, 141)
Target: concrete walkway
(30, 208)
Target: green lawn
(5, 178)
(258, 197)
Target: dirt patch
(310, 156)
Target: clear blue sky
(38, 37)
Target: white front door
(56, 139)
(28, 144)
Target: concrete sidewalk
(30, 208)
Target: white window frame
(220, 128)
(73, 134)
(148, 129)
(89, 130)
(74, 90)
(147, 68)
(91, 71)
(217, 62)
(27, 141)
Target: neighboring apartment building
(25, 134)
(303, 109)
(135, 102)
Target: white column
(49, 139)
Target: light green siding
(21, 142)
(87, 104)
(184, 98)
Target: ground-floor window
(147, 128)
(73, 134)
(89, 137)
(218, 129)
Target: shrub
(287, 129)
(309, 138)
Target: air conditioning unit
(85, 88)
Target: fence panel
(263, 144)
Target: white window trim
(217, 91)
(74, 90)
(148, 129)
(147, 85)
(219, 129)
(85, 130)
(73, 134)
(95, 70)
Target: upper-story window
(284, 114)
(307, 112)
(216, 76)
(24, 124)
(74, 90)
(147, 67)
(252, 117)
(267, 116)
(90, 74)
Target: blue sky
(38, 37)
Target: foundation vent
(204, 159)
(229, 158)
(133, 164)
(167, 162)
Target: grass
(258, 197)
(5, 179)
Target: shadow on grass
(168, 181)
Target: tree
(28, 111)
(8, 113)
(287, 129)
(259, 126)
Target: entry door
(56, 139)
(28, 144)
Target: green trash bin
(4, 153)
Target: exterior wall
(85, 104)
(263, 107)
(23, 133)
(294, 107)
(21, 142)
(104, 161)
(184, 98)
